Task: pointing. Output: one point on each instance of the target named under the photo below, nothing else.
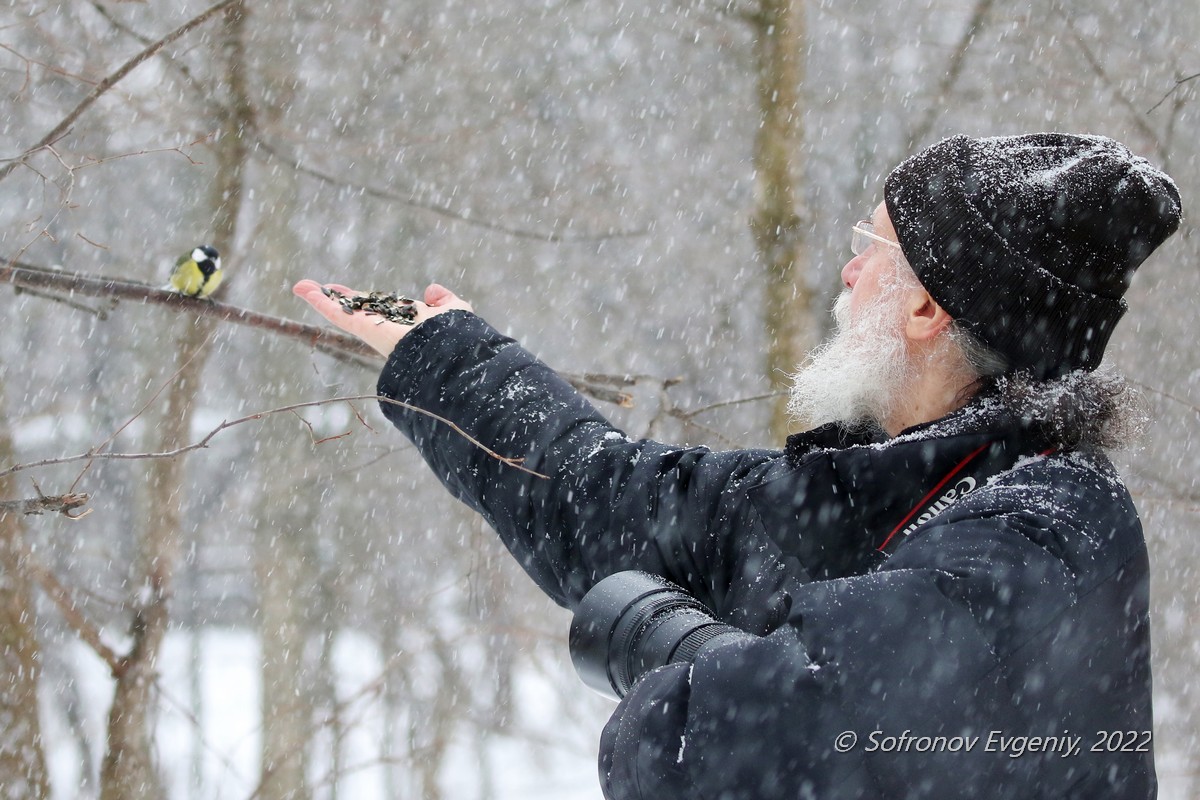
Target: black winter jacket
(953, 613)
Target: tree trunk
(287, 594)
(287, 701)
(394, 747)
(288, 573)
(22, 763)
(780, 216)
(128, 771)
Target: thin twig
(89, 241)
(729, 10)
(101, 88)
(716, 435)
(95, 162)
(441, 209)
(180, 66)
(203, 442)
(510, 461)
(1164, 393)
(64, 197)
(98, 313)
(65, 602)
(688, 415)
(1172, 91)
(950, 75)
(1186, 505)
(122, 27)
(1097, 66)
(100, 447)
(48, 67)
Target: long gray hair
(1079, 410)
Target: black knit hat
(1029, 242)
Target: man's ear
(924, 319)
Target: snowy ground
(561, 766)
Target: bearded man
(939, 592)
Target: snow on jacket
(994, 645)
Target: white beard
(860, 375)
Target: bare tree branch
(950, 76)
(338, 345)
(142, 39)
(687, 416)
(1135, 116)
(590, 387)
(63, 504)
(728, 9)
(1172, 91)
(112, 436)
(94, 454)
(64, 126)
(64, 601)
(1164, 393)
(80, 283)
(29, 62)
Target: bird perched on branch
(198, 273)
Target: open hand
(381, 334)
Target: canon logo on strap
(926, 510)
(964, 486)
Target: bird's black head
(207, 258)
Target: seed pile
(396, 308)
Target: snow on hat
(1029, 242)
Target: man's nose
(851, 271)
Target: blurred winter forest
(654, 197)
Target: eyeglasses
(864, 236)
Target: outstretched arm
(607, 503)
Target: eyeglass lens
(859, 240)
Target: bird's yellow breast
(188, 279)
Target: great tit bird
(198, 273)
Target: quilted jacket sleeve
(606, 503)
